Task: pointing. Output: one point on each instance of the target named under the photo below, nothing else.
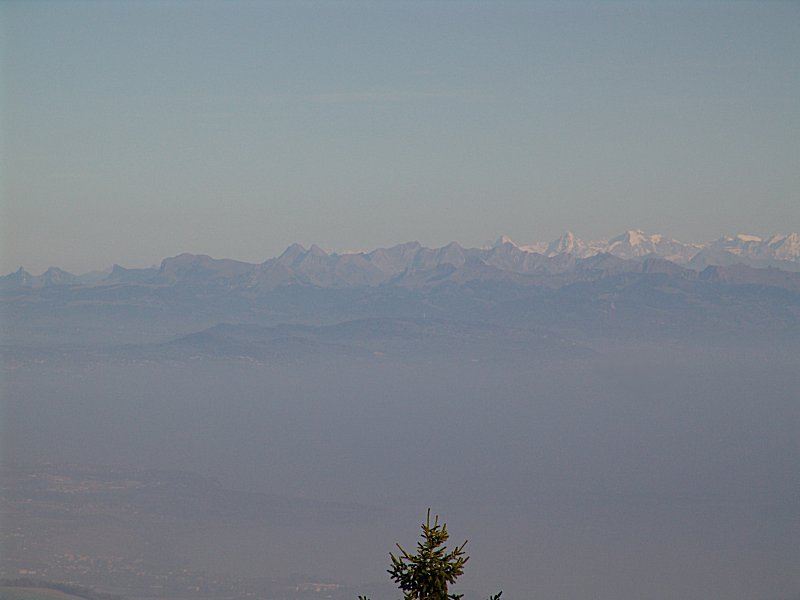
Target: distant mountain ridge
(639, 283)
(600, 294)
(779, 250)
(403, 263)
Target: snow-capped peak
(785, 247)
(744, 237)
(568, 244)
(636, 243)
(504, 239)
(633, 237)
(537, 247)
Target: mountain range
(412, 264)
(632, 285)
(779, 250)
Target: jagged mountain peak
(503, 240)
(784, 246)
(569, 243)
(292, 254)
(22, 275)
(737, 243)
(562, 244)
(635, 243)
(635, 237)
(292, 251)
(56, 276)
(567, 237)
(781, 238)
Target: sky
(132, 131)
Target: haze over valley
(271, 427)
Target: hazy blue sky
(136, 130)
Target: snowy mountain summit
(636, 243)
(779, 250)
(569, 244)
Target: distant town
(45, 505)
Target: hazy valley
(229, 429)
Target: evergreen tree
(427, 574)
